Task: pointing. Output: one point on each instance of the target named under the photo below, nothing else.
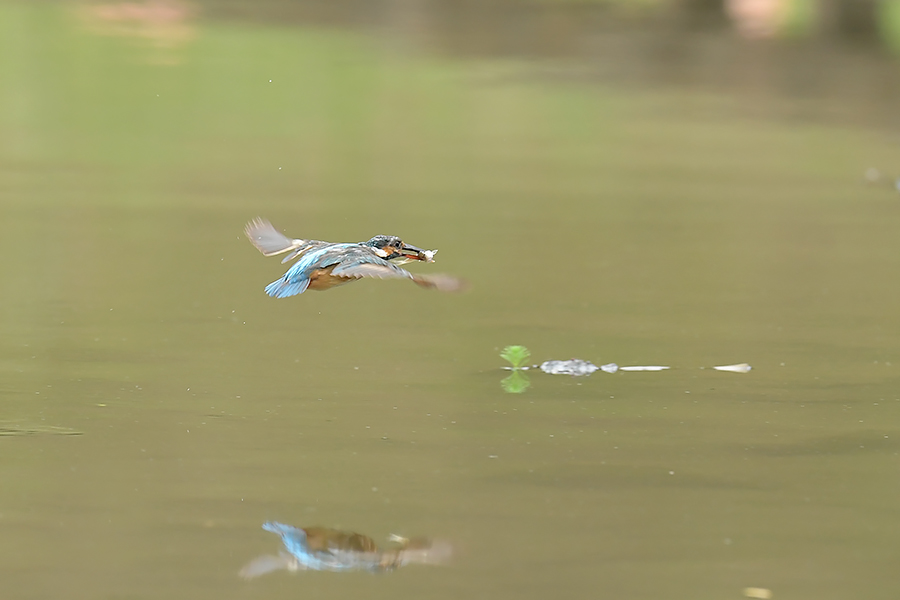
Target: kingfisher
(324, 265)
(326, 549)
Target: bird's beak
(416, 253)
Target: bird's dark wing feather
(270, 241)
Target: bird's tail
(284, 287)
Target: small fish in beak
(409, 252)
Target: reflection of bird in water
(323, 265)
(323, 549)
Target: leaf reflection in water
(516, 383)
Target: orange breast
(322, 279)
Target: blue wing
(294, 541)
(296, 279)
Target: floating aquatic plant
(515, 355)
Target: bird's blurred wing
(441, 282)
(385, 270)
(435, 552)
(268, 563)
(378, 270)
(270, 241)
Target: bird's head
(390, 247)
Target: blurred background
(687, 183)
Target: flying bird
(324, 265)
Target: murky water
(157, 407)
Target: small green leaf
(516, 355)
